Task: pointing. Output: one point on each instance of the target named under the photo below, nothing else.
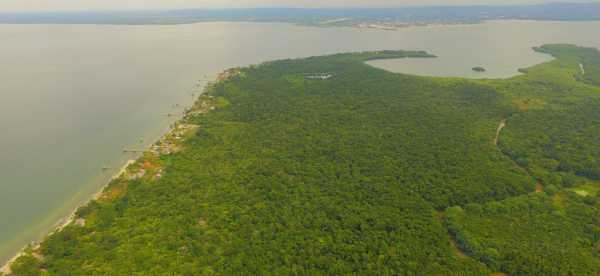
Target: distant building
(320, 76)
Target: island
(479, 69)
(326, 165)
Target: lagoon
(73, 97)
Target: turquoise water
(72, 97)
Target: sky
(71, 5)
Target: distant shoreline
(382, 25)
(330, 16)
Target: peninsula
(326, 165)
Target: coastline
(67, 220)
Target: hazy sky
(46, 5)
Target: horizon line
(292, 8)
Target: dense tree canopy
(326, 165)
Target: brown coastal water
(72, 97)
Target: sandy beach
(67, 220)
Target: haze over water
(72, 97)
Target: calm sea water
(72, 97)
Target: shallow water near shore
(73, 97)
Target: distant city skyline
(74, 5)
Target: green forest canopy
(326, 165)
